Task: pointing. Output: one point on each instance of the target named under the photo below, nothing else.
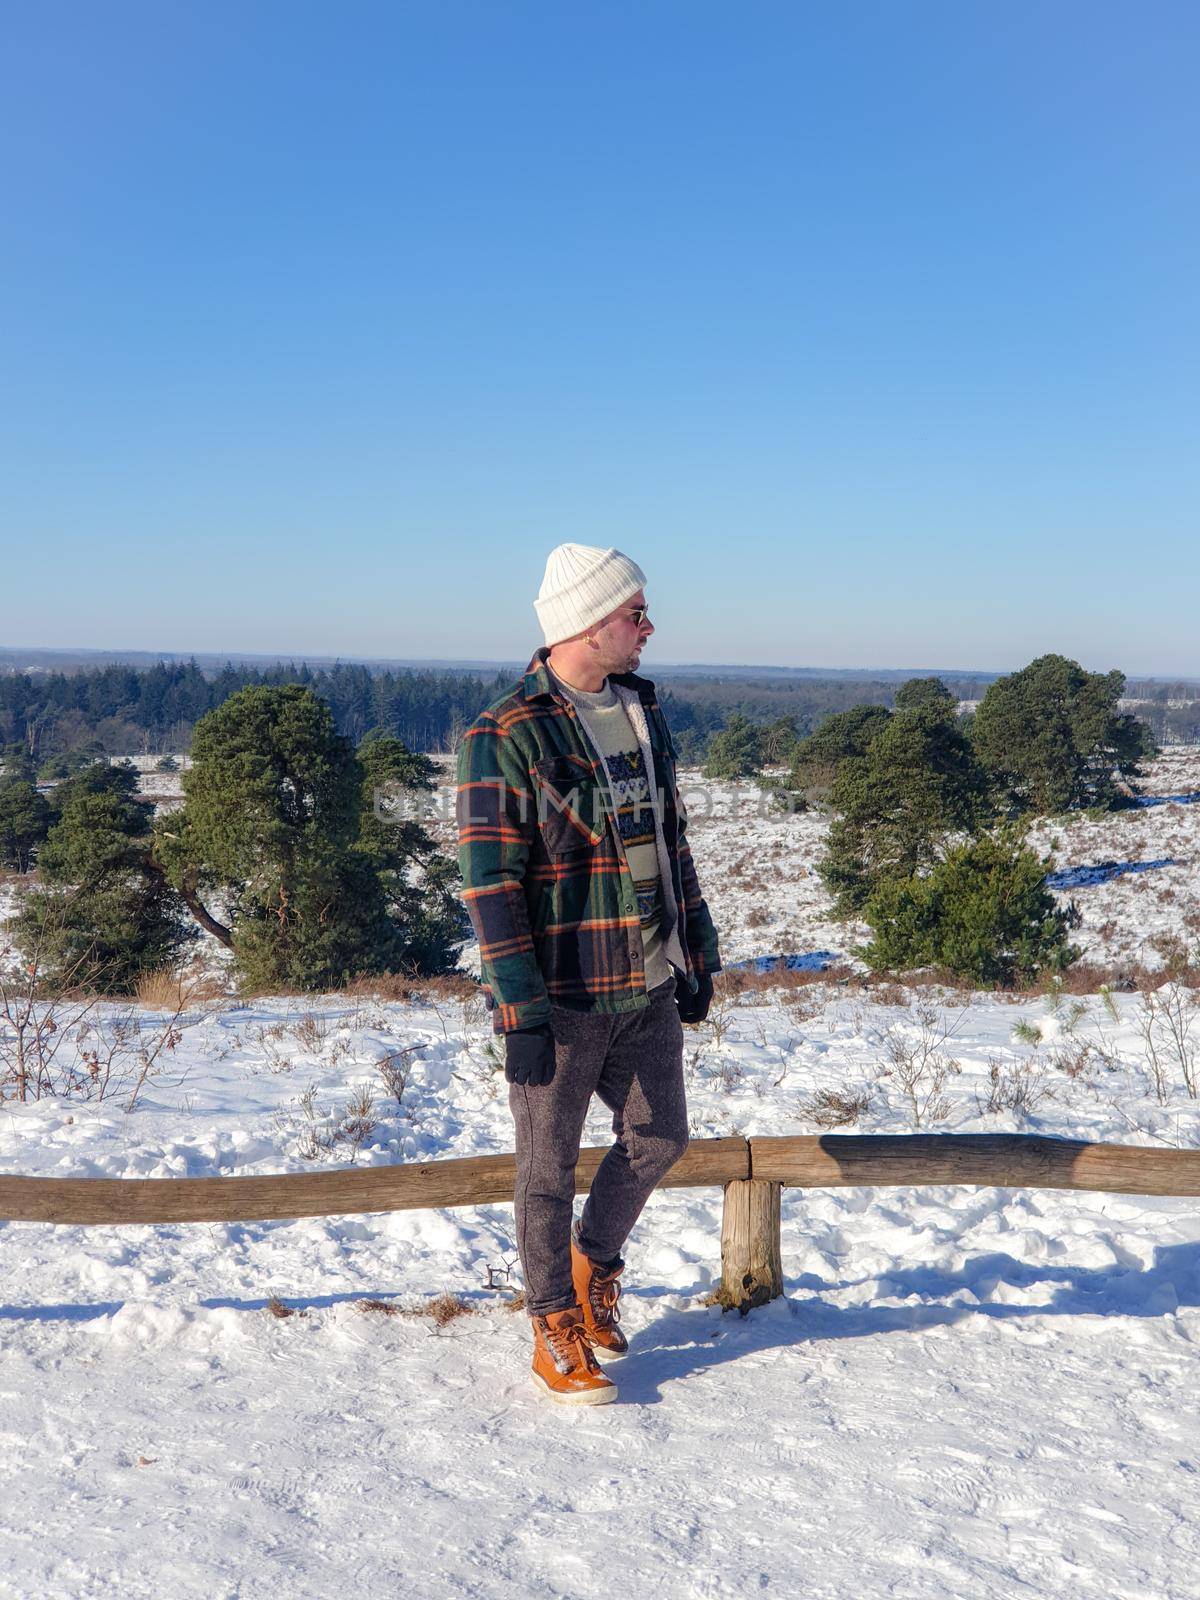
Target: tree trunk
(187, 893)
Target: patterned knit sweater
(607, 725)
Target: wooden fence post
(751, 1260)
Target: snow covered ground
(964, 1393)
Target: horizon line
(480, 662)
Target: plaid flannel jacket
(546, 881)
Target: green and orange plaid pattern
(546, 881)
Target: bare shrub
(918, 1065)
(394, 1069)
(268, 1036)
(318, 1133)
(720, 1018)
(500, 1277)
(729, 1074)
(757, 917)
(358, 1121)
(802, 1005)
(310, 1030)
(1016, 1086)
(836, 1108)
(1179, 964)
(888, 993)
(56, 1041)
(1081, 1061)
(121, 1050)
(34, 1034)
(1166, 1021)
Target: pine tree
(103, 914)
(778, 741)
(817, 760)
(428, 923)
(924, 694)
(984, 913)
(272, 831)
(735, 752)
(917, 784)
(25, 818)
(1051, 737)
(16, 764)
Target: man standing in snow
(595, 942)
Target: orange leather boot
(563, 1363)
(598, 1292)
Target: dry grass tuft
(1130, 977)
(834, 1108)
(175, 989)
(448, 986)
(444, 1308)
(275, 1307)
(720, 1297)
(382, 986)
(440, 1310)
(731, 984)
(406, 986)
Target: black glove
(693, 1007)
(529, 1055)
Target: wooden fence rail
(752, 1173)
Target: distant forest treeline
(120, 710)
(1172, 710)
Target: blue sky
(871, 331)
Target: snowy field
(964, 1393)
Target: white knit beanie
(583, 584)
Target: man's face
(621, 635)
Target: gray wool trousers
(634, 1061)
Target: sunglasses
(638, 615)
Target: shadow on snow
(1143, 801)
(1103, 872)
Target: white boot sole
(582, 1397)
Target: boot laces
(604, 1291)
(569, 1347)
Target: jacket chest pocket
(570, 803)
